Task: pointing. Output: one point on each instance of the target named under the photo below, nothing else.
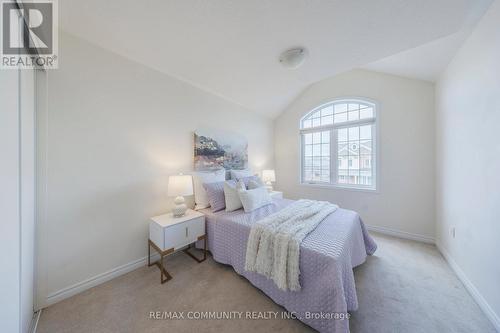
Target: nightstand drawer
(168, 232)
(182, 234)
(276, 194)
(175, 236)
(196, 228)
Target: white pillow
(238, 174)
(253, 199)
(252, 184)
(200, 177)
(231, 195)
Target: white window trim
(375, 188)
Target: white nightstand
(276, 194)
(168, 233)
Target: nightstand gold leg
(164, 271)
(204, 250)
(149, 253)
(159, 263)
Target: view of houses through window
(341, 131)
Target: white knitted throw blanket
(273, 247)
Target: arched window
(338, 144)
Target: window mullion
(374, 161)
(302, 158)
(333, 156)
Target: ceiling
(231, 48)
(423, 62)
(426, 62)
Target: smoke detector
(293, 58)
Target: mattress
(327, 258)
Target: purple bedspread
(327, 257)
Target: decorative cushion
(231, 195)
(200, 177)
(256, 179)
(254, 182)
(253, 199)
(238, 174)
(215, 194)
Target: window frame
(375, 162)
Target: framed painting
(216, 149)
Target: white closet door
(17, 198)
(9, 201)
(27, 184)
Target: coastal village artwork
(214, 149)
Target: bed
(328, 255)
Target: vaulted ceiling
(231, 47)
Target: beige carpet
(405, 287)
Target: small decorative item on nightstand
(179, 186)
(168, 233)
(269, 176)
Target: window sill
(340, 187)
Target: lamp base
(180, 207)
(269, 186)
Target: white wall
(468, 162)
(405, 200)
(116, 131)
(17, 148)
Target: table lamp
(178, 187)
(268, 176)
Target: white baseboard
(488, 311)
(401, 234)
(476, 295)
(34, 321)
(96, 280)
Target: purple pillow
(215, 193)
